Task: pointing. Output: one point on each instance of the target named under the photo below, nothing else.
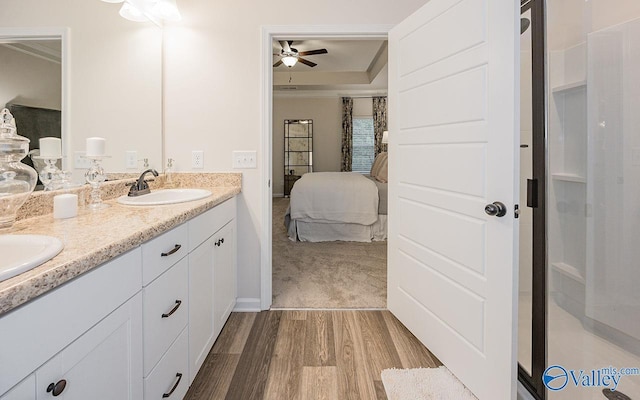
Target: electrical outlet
(131, 159)
(244, 159)
(197, 159)
(80, 161)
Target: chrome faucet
(141, 187)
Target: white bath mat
(424, 384)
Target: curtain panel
(347, 133)
(379, 122)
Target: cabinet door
(224, 275)
(201, 320)
(104, 363)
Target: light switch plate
(244, 159)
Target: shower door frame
(533, 383)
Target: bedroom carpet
(327, 274)
(424, 384)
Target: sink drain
(615, 395)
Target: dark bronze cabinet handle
(219, 242)
(179, 376)
(57, 388)
(174, 309)
(222, 240)
(176, 248)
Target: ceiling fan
(290, 56)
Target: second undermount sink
(165, 196)
(21, 253)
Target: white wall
(213, 90)
(29, 80)
(326, 114)
(115, 88)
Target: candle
(50, 147)
(96, 147)
(65, 206)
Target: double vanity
(131, 306)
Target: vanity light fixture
(148, 10)
(385, 137)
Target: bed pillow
(377, 164)
(383, 173)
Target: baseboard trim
(247, 304)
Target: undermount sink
(21, 253)
(165, 196)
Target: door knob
(496, 209)
(57, 388)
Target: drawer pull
(179, 376)
(176, 248)
(219, 242)
(57, 388)
(174, 309)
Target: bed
(346, 206)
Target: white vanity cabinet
(212, 279)
(87, 333)
(137, 327)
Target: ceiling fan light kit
(290, 56)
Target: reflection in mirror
(111, 84)
(31, 86)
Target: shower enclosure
(591, 307)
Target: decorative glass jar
(17, 180)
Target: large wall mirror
(109, 77)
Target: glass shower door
(594, 200)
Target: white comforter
(346, 197)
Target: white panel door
(454, 119)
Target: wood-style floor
(284, 355)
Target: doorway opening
(274, 128)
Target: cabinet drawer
(162, 252)
(205, 225)
(165, 312)
(64, 314)
(165, 376)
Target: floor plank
(412, 353)
(353, 371)
(234, 334)
(319, 346)
(381, 394)
(380, 351)
(251, 374)
(285, 370)
(214, 378)
(319, 383)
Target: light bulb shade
(289, 61)
(167, 10)
(132, 13)
(385, 137)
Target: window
(363, 145)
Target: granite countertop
(95, 237)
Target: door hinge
(532, 193)
(516, 211)
(269, 183)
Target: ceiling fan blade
(285, 45)
(278, 63)
(313, 52)
(306, 62)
